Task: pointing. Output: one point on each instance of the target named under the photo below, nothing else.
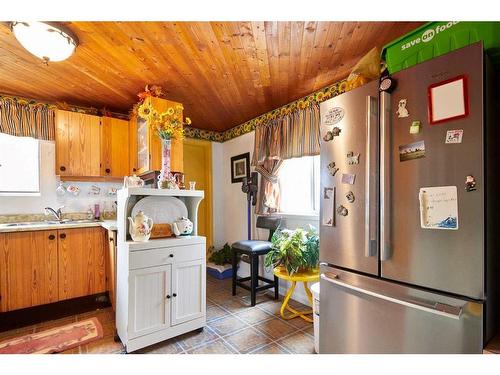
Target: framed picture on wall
(240, 167)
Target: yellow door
(198, 167)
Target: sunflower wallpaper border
(211, 135)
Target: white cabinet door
(150, 299)
(188, 291)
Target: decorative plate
(161, 209)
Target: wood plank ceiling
(225, 73)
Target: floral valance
(23, 118)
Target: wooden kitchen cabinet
(115, 158)
(81, 262)
(148, 144)
(132, 145)
(111, 268)
(28, 269)
(78, 146)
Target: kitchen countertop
(106, 224)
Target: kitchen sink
(49, 222)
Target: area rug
(54, 340)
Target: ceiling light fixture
(46, 40)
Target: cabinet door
(81, 262)
(188, 291)
(149, 300)
(114, 147)
(111, 267)
(28, 269)
(132, 141)
(77, 144)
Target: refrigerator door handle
(437, 308)
(371, 193)
(385, 183)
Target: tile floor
(233, 326)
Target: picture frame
(240, 167)
(448, 100)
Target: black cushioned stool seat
(253, 249)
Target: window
(299, 186)
(19, 165)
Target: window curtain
(294, 135)
(23, 119)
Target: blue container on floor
(220, 275)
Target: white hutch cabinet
(161, 284)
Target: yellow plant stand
(304, 277)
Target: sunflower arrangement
(168, 124)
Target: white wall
(48, 197)
(230, 206)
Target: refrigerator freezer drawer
(361, 314)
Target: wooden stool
(304, 277)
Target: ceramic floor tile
(54, 323)
(216, 347)
(310, 330)
(271, 349)
(105, 345)
(247, 340)
(275, 328)
(164, 347)
(272, 307)
(299, 343)
(235, 305)
(300, 323)
(215, 312)
(227, 325)
(194, 339)
(253, 315)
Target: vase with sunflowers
(168, 125)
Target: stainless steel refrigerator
(389, 283)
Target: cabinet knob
(171, 255)
(108, 170)
(62, 168)
(168, 296)
(51, 237)
(175, 295)
(62, 235)
(134, 169)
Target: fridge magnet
(470, 183)
(448, 100)
(348, 178)
(350, 197)
(342, 211)
(352, 159)
(332, 169)
(438, 207)
(412, 151)
(328, 205)
(330, 134)
(333, 116)
(454, 136)
(415, 127)
(402, 111)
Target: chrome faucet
(57, 214)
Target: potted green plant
(220, 263)
(294, 250)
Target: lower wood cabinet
(28, 269)
(40, 267)
(81, 260)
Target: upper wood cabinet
(132, 145)
(114, 147)
(28, 269)
(81, 262)
(148, 144)
(77, 144)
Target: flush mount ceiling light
(46, 40)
